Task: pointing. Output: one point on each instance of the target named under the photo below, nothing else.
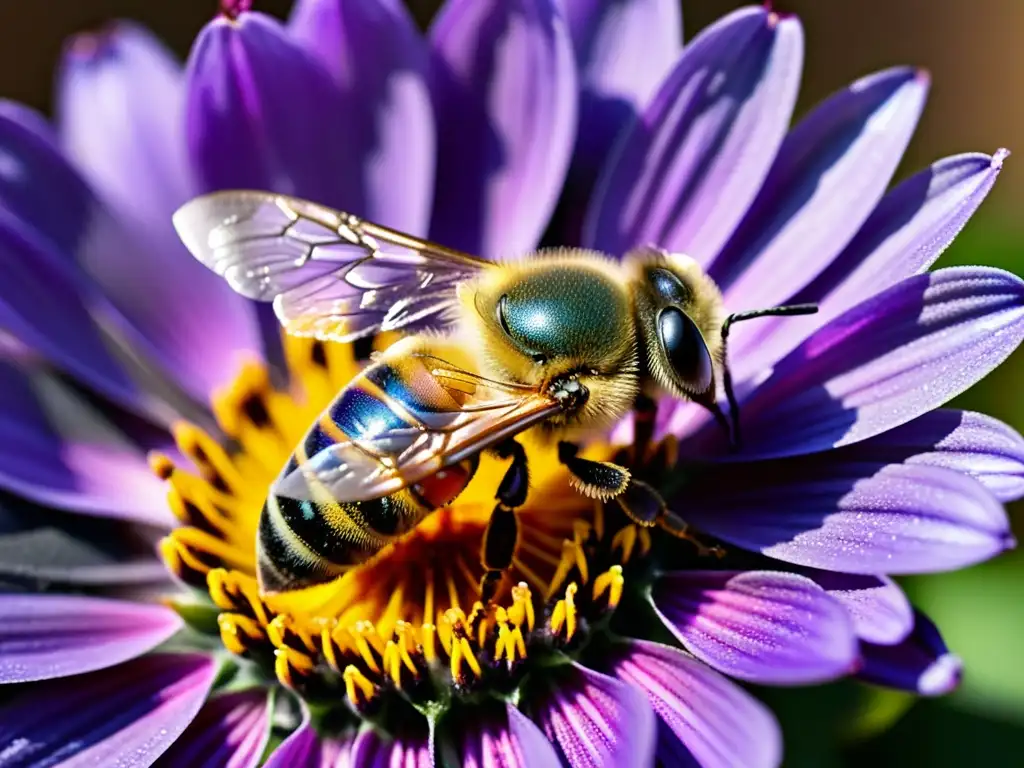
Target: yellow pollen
(612, 582)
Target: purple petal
(595, 720)
(880, 611)
(80, 282)
(623, 50)
(906, 233)
(409, 750)
(501, 737)
(119, 103)
(127, 715)
(46, 636)
(60, 452)
(304, 747)
(380, 61)
(762, 626)
(37, 186)
(831, 171)
(46, 303)
(853, 516)
(704, 719)
(883, 363)
(505, 98)
(921, 663)
(971, 443)
(230, 731)
(263, 113)
(685, 172)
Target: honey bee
(565, 340)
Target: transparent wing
(330, 274)
(481, 414)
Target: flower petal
(921, 663)
(80, 283)
(762, 626)
(703, 717)
(60, 451)
(230, 731)
(831, 171)
(906, 233)
(304, 747)
(888, 360)
(380, 61)
(119, 104)
(685, 172)
(43, 549)
(47, 636)
(501, 737)
(37, 185)
(623, 50)
(127, 715)
(46, 303)
(858, 517)
(595, 720)
(880, 611)
(262, 113)
(972, 443)
(505, 98)
(409, 750)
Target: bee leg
(674, 525)
(596, 479)
(644, 412)
(499, 546)
(735, 439)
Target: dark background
(977, 103)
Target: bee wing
(330, 274)
(484, 412)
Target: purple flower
(128, 369)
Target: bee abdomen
(304, 542)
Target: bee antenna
(790, 310)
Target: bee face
(678, 313)
(565, 312)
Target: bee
(564, 340)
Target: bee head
(556, 315)
(679, 315)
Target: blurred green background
(977, 103)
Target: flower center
(409, 619)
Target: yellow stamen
(612, 582)
(231, 590)
(358, 687)
(428, 638)
(564, 613)
(625, 541)
(364, 633)
(239, 633)
(329, 646)
(522, 606)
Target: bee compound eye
(685, 349)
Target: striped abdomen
(308, 542)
